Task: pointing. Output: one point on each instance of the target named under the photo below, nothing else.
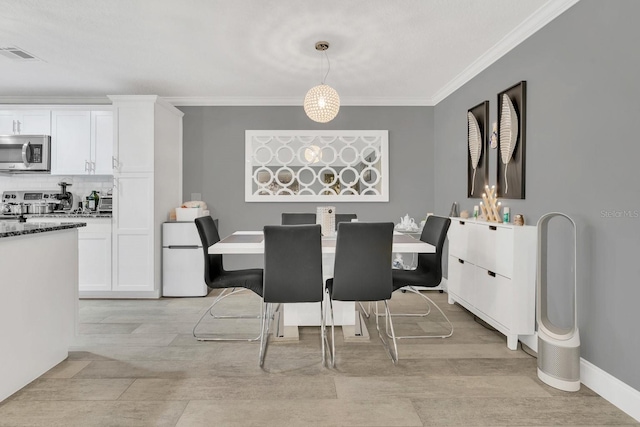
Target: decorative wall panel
(316, 166)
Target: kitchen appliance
(105, 204)
(25, 153)
(16, 203)
(65, 197)
(182, 261)
(558, 344)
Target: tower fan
(558, 345)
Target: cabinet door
(94, 261)
(459, 237)
(134, 141)
(70, 142)
(133, 250)
(36, 122)
(494, 296)
(7, 123)
(102, 142)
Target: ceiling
(258, 52)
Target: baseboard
(119, 294)
(609, 387)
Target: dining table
(293, 315)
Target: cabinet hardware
(183, 247)
(493, 227)
(491, 273)
(462, 222)
(461, 261)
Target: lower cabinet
(492, 274)
(94, 253)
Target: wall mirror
(316, 166)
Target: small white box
(188, 214)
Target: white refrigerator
(182, 260)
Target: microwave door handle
(26, 150)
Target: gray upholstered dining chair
(292, 274)
(362, 272)
(428, 273)
(216, 277)
(297, 218)
(344, 218)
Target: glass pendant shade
(322, 103)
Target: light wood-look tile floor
(135, 363)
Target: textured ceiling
(258, 52)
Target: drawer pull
(491, 273)
(461, 261)
(493, 227)
(462, 222)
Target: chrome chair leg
(366, 312)
(415, 291)
(264, 332)
(332, 362)
(208, 337)
(388, 325)
(429, 300)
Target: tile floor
(135, 363)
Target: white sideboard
(492, 272)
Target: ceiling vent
(17, 54)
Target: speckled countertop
(70, 215)
(14, 228)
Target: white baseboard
(609, 387)
(120, 294)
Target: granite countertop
(12, 228)
(71, 215)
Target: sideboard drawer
(459, 238)
(494, 249)
(493, 296)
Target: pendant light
(322, 102)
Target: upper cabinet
(81, 142)
(25, 122)
(134, 141)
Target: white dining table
(308, 314)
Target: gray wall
(214, 162)
(582, 159)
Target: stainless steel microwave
(25, 153)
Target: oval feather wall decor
(475, 145)
(508, 134)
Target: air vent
(17, 54)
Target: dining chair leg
(430, 303)
(415, 291)
(208, 337)
(388, 325)
(323, 336)
(366, 312)
(333, 336)
(264, 334)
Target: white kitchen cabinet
(81, 142)
(133, 237)
(94, 253)
(492, 271)
(25, 122)
(102, 142)
(147, 186)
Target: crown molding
(53, 100)
(547, 13)
(214, 101)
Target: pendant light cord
(328, 67)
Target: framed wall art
(512, 142)
(477, 149)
